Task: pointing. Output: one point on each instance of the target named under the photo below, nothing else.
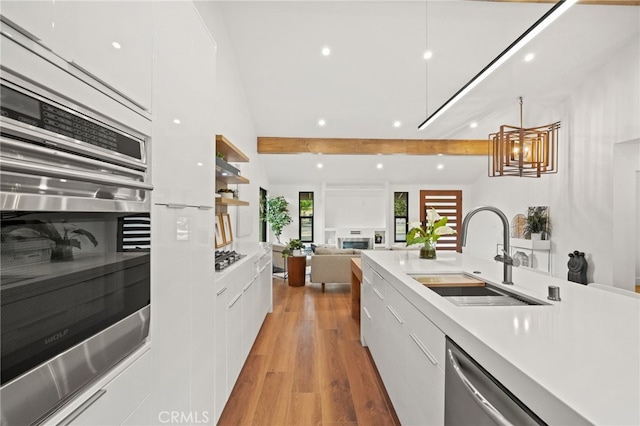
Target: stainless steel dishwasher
(473, 397)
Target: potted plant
(429, 234)
(294, 248)
(62, 244)
(277, 215)
(227, 193)
(536, 223)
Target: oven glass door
(64, 278)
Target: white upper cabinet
(183, 107)
(37, 18)
(110, 40)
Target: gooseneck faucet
(506, 258)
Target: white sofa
(332, 265)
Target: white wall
(603, 112)
(290, 192)
(233, 120)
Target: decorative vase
(62, 252)
(536, 236)
(226, 194)
(428, 250)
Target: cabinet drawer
(424, 333)
(123, 395)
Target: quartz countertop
(575, 361)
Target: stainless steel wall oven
(75, 249)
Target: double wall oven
(75, 249)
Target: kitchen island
(575, 361)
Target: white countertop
(571, 362)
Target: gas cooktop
(226, 258)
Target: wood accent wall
(278, 145)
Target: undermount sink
(464, 290)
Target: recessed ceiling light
(529, 57)
(175, 120)
(116, 45)
(322, 122)
(326, 51)
(427, 54)
(379, 165)
(473, 125)
(440, 166)
(440, 155)
(199, 164)
(319, 165)
(397, 123)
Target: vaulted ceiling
(376, 75)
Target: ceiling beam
(345, 146)
(598, 2)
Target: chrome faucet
(506, 259)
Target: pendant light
(524, 152)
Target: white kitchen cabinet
(221, 392)
(249, 314)
(407, 348)
(396, 338)
(38, 18)
(86, 34)
(234, 336)
(119, 398)
(182, 217)
(141, 416)
(183, 108)
(376, 342)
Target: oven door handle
(62, 173)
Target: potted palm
(428, 235)
(277, 215)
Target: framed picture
(226, 228)
(220, 240)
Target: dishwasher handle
(486, 406)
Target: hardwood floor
(307, 366)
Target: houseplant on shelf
(428, 235)
(227, 193)
(277, 215)
(536, 223)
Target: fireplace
(360, 243)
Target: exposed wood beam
(598, 2)
(277, 145)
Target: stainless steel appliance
(75, 271)
(473, 397)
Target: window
(305, 211)
(446, 203)
(401, 216)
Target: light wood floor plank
(305, 409)
(368, 397)
(306, 375)
(240, 409)
(337, 403)
(273, 404)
